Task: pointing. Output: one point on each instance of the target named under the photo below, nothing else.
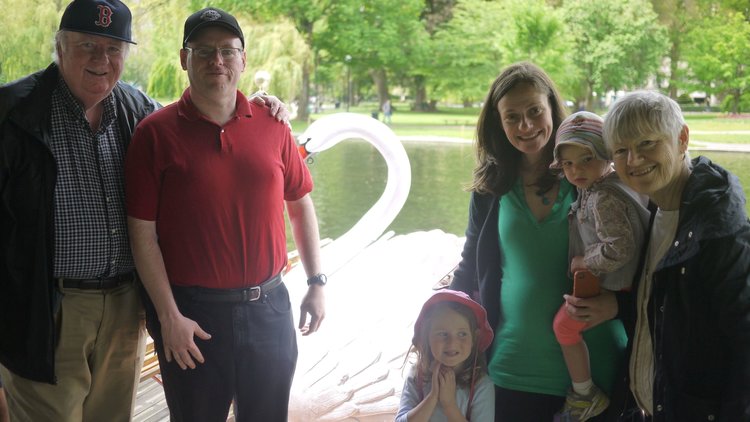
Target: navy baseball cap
(107, 18)
(211, 16)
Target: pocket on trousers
(279, 300)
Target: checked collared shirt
(91, 238)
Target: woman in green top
(515, 260)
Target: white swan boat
(352, 369)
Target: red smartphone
(585, 284)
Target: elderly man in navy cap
(71, 321)
(71, 324)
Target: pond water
(351, 176)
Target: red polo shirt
(216, 193)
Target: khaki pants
(97, 362)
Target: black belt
(97, 283)
(245, 294)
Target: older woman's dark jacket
(699, 309)
(28, 296)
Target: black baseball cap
(208, 17)
(107, 18)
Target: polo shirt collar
(187, 110)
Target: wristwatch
(320, 279)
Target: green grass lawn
(461, 123)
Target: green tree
(467, 53)
(536, 32)
(278, 49)
(676, 16)
(434, 15)
(27, 36)
(154, 64)
(718, 56)
(616, 45)
(483, 37)
(379, 36)
(306, 16)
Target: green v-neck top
(526, 355)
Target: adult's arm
(306, 237)
(465, 276)
(726, 266)
(177, 331)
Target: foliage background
(431, 52)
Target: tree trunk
(316, 84)
(303, 113)
(674, 59)
(588, 104)
(380, 79)
(420, 94)
(736, 101)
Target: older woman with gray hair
(690, 311)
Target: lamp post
(262, 80)
(348, 60)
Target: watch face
(317, 279)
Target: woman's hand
(593, 310)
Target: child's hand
(447, 395)
(434, 394)
(577, 264)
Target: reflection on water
(351, 176)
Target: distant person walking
(387, 112)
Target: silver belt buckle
(251, 295)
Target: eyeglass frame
(236, 52)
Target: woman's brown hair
(498, 161)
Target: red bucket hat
(484, 339)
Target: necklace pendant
(545, 200)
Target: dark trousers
(250, 359)
(520, 406)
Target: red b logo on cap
(105, 16)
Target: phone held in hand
(585, 284)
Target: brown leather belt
(97, 283)
(245, 294)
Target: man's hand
(314, 303)
(277, 109)
(177, 334)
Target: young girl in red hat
(448, 381)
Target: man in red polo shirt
(207, 179)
